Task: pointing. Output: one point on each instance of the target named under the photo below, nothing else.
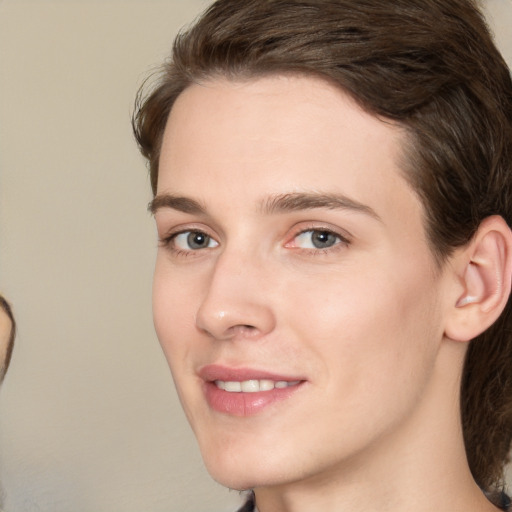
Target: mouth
(253, 385)
(245, 392)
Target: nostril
(233, 332)
(243, 330)
(224, 316)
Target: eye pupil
(323, 239)
(197, 240)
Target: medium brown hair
(6, 308)
(432, 67)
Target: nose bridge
(235, 301)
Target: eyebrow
(311, 200)
(281, 203)
(182, 204)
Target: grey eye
(323, 239)
(317, 239)
(197, 240)
(193, 241)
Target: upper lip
(214, 372)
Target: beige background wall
(89, 420)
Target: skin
(375, 423)
(5, 333)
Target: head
(428, 69)
(7, 335)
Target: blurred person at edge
(332, 194)
(7, 334)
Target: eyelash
(342, 242)
(168, 242)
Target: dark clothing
(504, 502)
(248, 505)
(501, 500)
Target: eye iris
(323, 239)
(197, 240)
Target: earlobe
(485, 274)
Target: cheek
(173, 313)
(174, 320)
(369, 321)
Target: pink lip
(217, 372)
(243, 404)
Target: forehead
(239, 141)
(277, 105)
(283, 119)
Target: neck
(419, 466)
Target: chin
(235, 483)
(249, 471)
(234, 474)
(241, 472)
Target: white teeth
(250, 386)
(266, 385)
(253, 386)
(233, 386)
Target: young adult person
(332, 193)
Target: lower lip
(245, 404)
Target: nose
(236, 302)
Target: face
(295, 296)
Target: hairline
(407, 142)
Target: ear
(484, 269)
